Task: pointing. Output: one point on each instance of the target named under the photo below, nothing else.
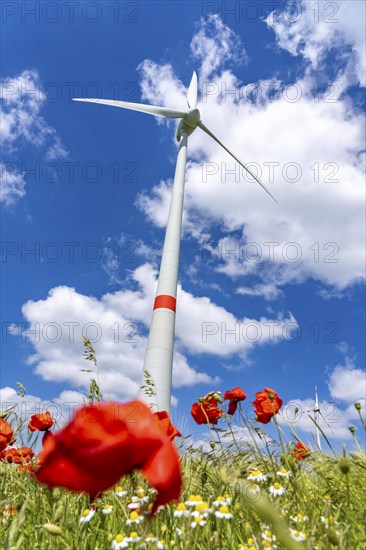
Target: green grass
(316, 488)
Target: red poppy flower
(267, 404)
(206, 412)
(300, 451)
(235, 395)
(164, 422)
(6, 434)
(106, 441)
(17, 456)
(41, 422)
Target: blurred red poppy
(17, 456)
(235, 395)
(206, 412)
(40, 422)
(6, 434)
(267, 404)
(164, 422)
(106, 441)
(300, 451)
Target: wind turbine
(158, 361)
(316, 411)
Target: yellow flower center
(181, 507)
(220, 498)
(224, 509)
(193, 498)
(283, 471)
(86, 512)
(300, 517)
(201, 507)
(119, 537)
(250, 541)
(198, 519)
(256, 473)
(118, 490)
(134, 515)
(277, 486)
(133, 535)
(107, 506)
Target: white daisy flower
(201, 509)
(119, 492)
(267, 535)
(181, 510)
(107, 509)
(134, 503)
(198, 521)
(134, 537)
(327, 520)
(299, 536)
(151, 538)
(193, 500)
(160, 544)
(222, 501)
(134, 518)
(87, 515)
(119, 541)
(283, 473)
(276, 489)
(223, 513)
(257, 475)
(179, 532)
(298, 518)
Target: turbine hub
(189, 122)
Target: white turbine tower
(158, 361)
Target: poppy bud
(358, 406)
(217, 397)
(344, 465)
(352, 429)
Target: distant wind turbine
(158, 361)
(316, 412)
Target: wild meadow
(118, 476)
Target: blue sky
(87, 188)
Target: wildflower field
(119, 475)
(226, 495)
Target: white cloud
(214, 44)
(21, 102)
(348, 383)
(117, 324)
(268, 291)
(314, 28)
(317, 229)
(11, 184)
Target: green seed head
(358, 406)
(352, 429)
(52, 528)
(344, 465)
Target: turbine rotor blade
(192, 92)
(148, 109)
(209, 133)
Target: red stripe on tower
(166, 301)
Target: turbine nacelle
(188, 123)
(189, 120)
